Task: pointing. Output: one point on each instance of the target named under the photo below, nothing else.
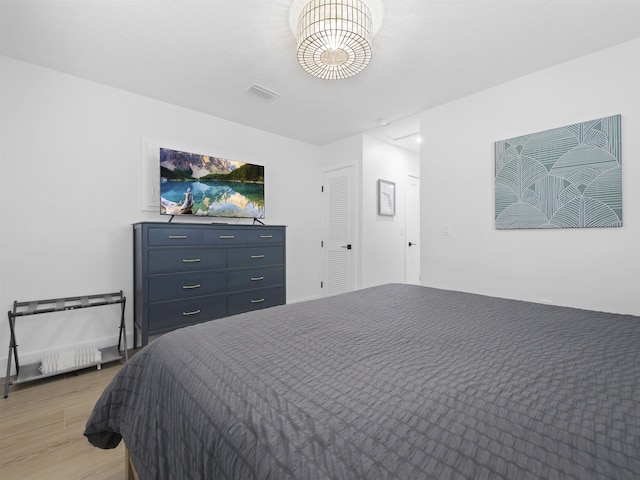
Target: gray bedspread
(395, 381)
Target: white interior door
(338, 231)
(412, 228)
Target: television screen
(194, 184)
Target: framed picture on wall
(386, 197)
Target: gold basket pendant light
(334, 38)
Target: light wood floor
(41, 425)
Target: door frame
(407, 220)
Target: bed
(396, 381)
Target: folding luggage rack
(30, 372)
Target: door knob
(348, 247)
(411, 244)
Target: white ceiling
(206, 55)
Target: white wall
(379, 246)
(383, 237)
(589, 268)
(70, 164)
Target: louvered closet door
(338, 260)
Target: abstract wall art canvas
(568, 177)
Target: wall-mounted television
(208, 186)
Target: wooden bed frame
(129, 469)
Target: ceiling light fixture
(334, 38)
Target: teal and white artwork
(568, 177)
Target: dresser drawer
(265, 236)
(225, 237)
(186, 285)
(188, 259)
(175, 236)
(255, 256)
(255, 278)
(169, 315)
(246, 302)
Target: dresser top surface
(205, 225)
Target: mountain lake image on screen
(204, 185)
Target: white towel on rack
(56, 362)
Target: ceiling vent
(262, 92)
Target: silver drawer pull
(187, 287)
(227, 236)
(257, 256)
(173, 237)
(258, 301)
(190, 260)
(256, 279)
(195, 312)
(266, 236)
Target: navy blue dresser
(189, 273)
